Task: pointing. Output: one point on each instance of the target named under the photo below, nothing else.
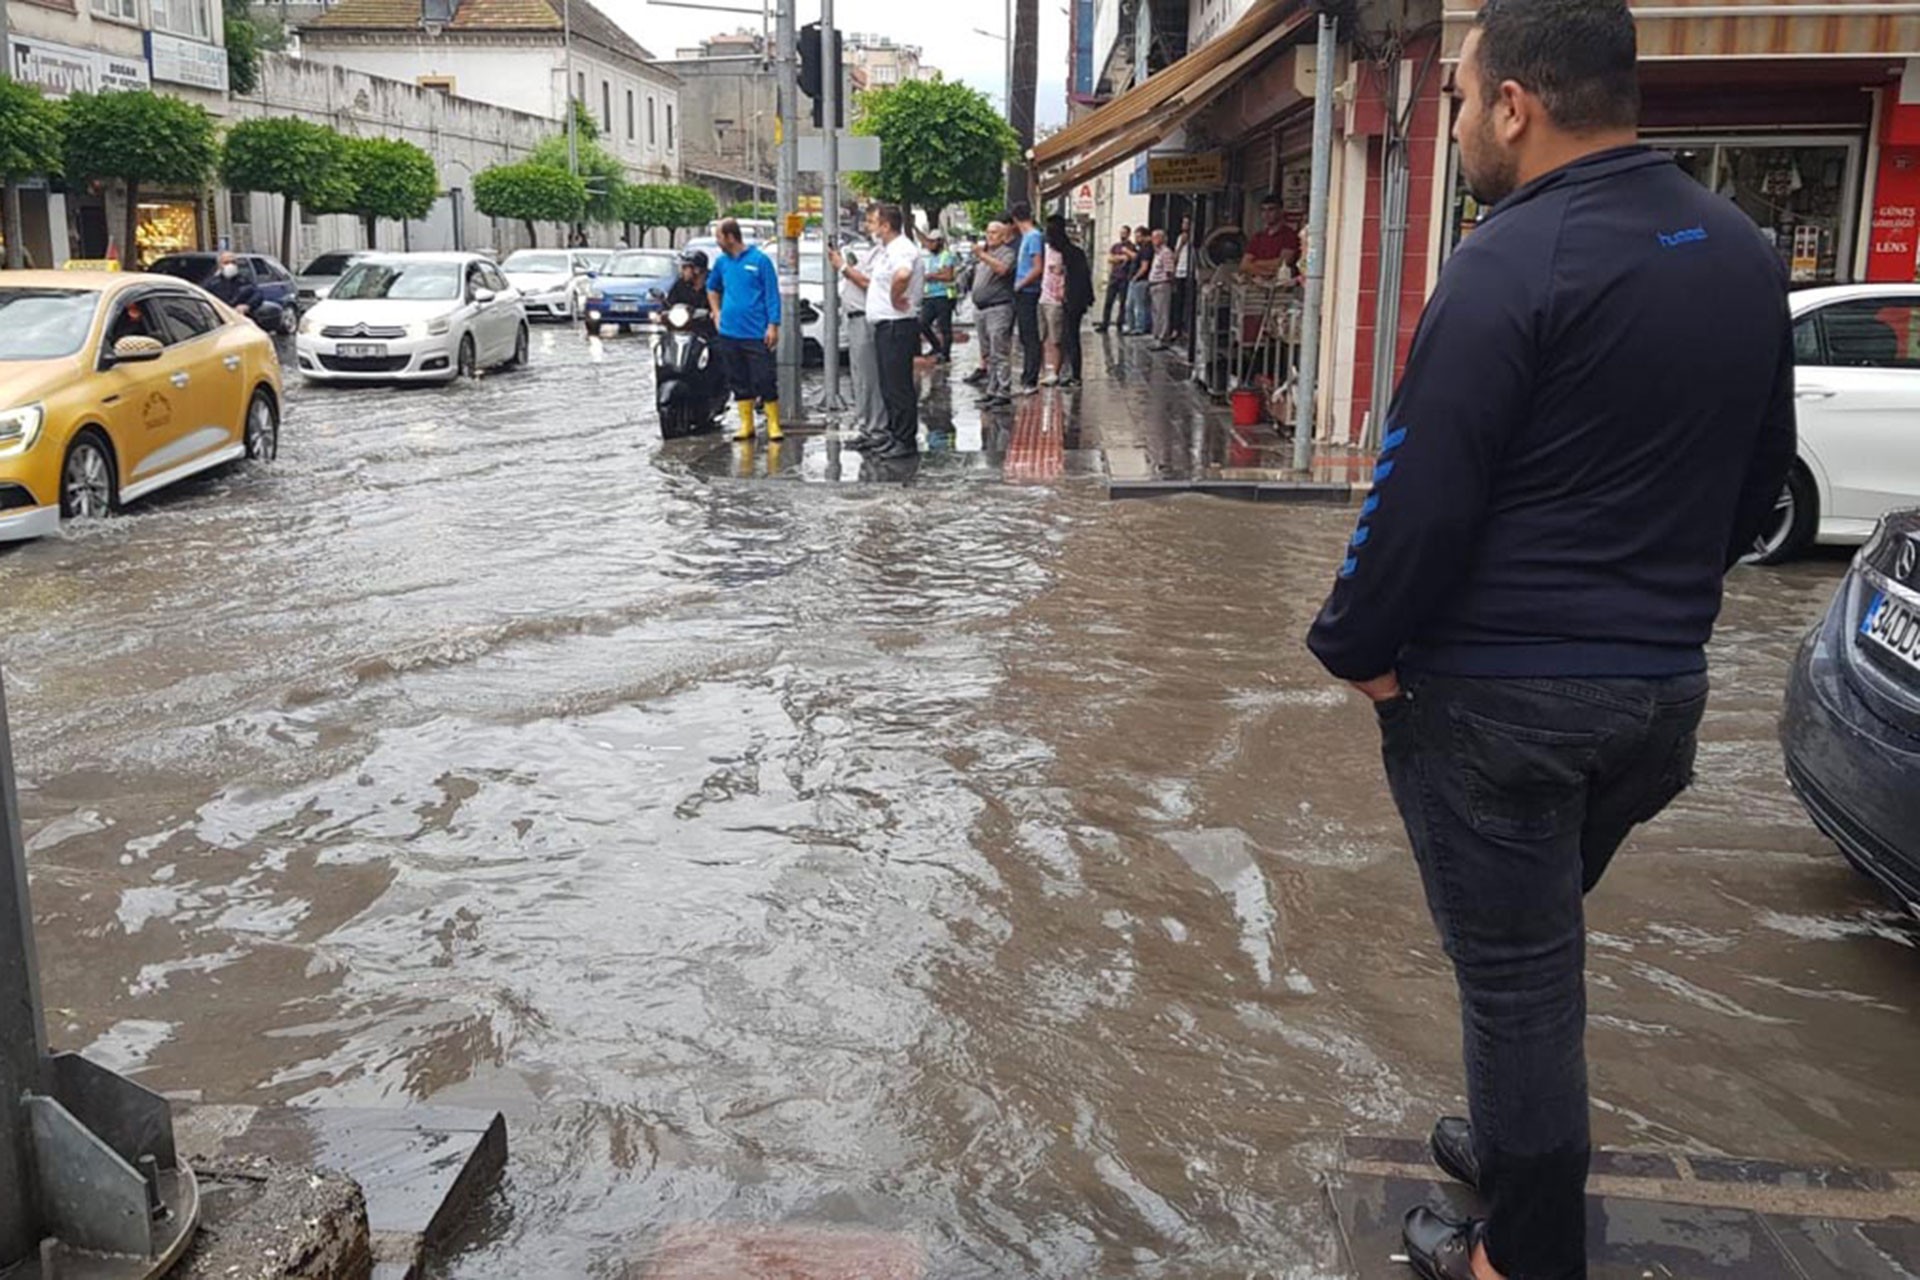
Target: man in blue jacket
(1594, 423)
(744, 291)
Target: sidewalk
(1140, 424)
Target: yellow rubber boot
(746, 420)
(773, 420)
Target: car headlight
(307, 325)
(439, 326)
(596, 294)
(679, 315)
(19, 428)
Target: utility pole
(787, 194)
(573, 108)
(16, 234)
(1320, 183)
(830, 208)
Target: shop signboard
(188, 62)
(55, 69)
(60, 69)
(1199, 171)
(1083, 200)
(1893, 233)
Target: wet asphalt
(959, 857)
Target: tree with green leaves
(29, 148)
(604, 177)
(381, 178)
(530, 193)
(753, 209)
(941, 143)
(243, 46)
(981, 212)
(293, 159)
(695, 207)
(650, 205)
(137, 137)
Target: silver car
(553, 282)
(317, 279)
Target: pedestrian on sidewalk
(1274, 250)
(894, 294)
(1119, 272)
(1182, 281)
(1139, 308)
(863, 363)
(936, 316)
(1029, 265)
(993, 311)
(1160, 289)
(1053, 297)
(1079, 300)
(1595, 421)
(744, 292)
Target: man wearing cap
(936, 308)
(690, 290)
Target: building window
(652, 140)
(669, 126)
(629, 115)
(581, 96)
(606, 108)
(440, 84)
(884, 75)
(240, 207)
(118, 10)
(183, 18)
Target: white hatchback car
(427, 317)
(1856, 351)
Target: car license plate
(361, 350)
(1893, 629)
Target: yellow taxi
(113, 386)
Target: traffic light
(813, 72)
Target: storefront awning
(1690, 29)
(1146, 113)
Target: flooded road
(987, 867)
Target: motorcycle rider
(690, 291)
(242, 295)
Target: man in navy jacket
(1594, 423)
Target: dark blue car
(1851, 730)
(275, 282)
(629, 290)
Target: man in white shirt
(869, 413)
(894, 277)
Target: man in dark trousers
(1595, 421)
(894, 276)
(1079, 300)
(745, 293)
(1029, 265)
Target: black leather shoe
(1439, 1248)
(1452, 1146)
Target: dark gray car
(1851, 728)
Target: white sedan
(553, 282)
(1856, 351)
(428, 317)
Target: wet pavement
(980, 867)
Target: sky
(945, 34)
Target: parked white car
(317, 279)
(553, 282)
(427, 317)
(1856, 385)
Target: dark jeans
(1516, 793)
(1026, 316)
(750, 369)
(897, 342)
(1181, 293)
(936, 325)
(1070, 352)
(1116, 297)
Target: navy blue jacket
(1595, 421)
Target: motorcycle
(687, 387)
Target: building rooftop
(589, 24)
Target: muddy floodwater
(985, 866)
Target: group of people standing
(1150, 280)
(1032, 286)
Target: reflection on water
(981, 866)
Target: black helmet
(694, 258)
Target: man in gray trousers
(993, 312)
(869, 413)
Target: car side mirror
(482, 296)
(137, 349)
